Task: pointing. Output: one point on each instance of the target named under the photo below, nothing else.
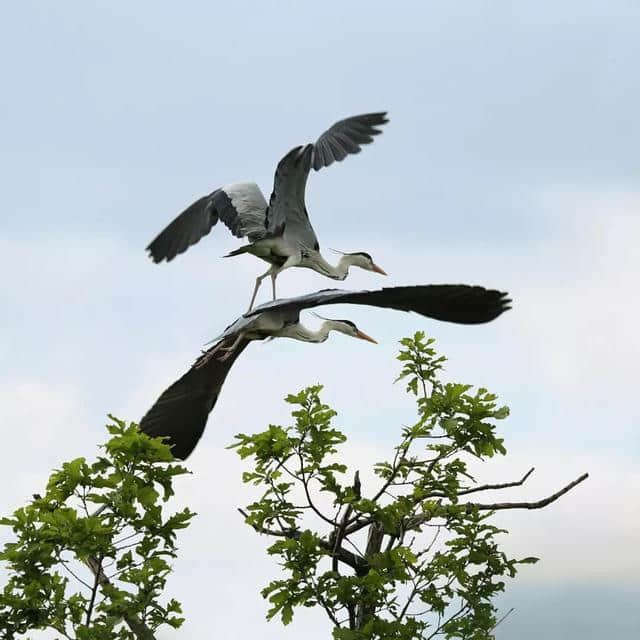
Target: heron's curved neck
(298, 331)
(337, 272)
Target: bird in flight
(280, 232)
(180, 413)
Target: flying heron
(279, 232)
(181, 411)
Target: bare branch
(78, 578)
(504, 617)
(305, 483)
(324, 605)
(94, 591)
(529, 505)
(504, 485)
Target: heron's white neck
(337, 272)
(299, 332)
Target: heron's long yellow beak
(379, 270)
(364, 336)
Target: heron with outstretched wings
(279, 232)
(180, 413)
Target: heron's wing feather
(460, 303)
(306, 301)
(238, 325)
(241, 207)
(287, 212)
(346, 137)
(180, 413)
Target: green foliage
(107, 515)
(415, 559)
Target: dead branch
(498, 506)
(504, 485)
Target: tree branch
(338, 531)
(504, 485)
(137, 626)
(497, 506)
(374, 544)
(348, 558)
(94, 590)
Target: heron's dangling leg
(207, 355)
(259, 280)
(291, 261)
(229, 350)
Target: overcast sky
(510, 160)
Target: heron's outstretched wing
(240, 206)
(460, 303)
(180, 413)
(345, 137)
(287, 212)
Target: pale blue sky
(510, 160)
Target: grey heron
(180, 413)
(280, 232)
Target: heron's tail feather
(240, 250)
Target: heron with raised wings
(280, 232)
(180, 413)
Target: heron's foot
(204, 359)
(228, 352)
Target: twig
(305, 481)
(504, 485)
(460, 611)
(504, 617)
(324, 604)
(94, 590)
(497, 506)
(350, 559)
(137, 626)
(64, 565)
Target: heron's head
(364, 261)
(347, 327)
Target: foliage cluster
(94, 550)
(416, 558)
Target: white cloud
(43, 425)
(579, 325)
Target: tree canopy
(415, 554)
(417, 558)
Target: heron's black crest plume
(317, 315)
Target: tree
(81, 573)
(419, 558)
